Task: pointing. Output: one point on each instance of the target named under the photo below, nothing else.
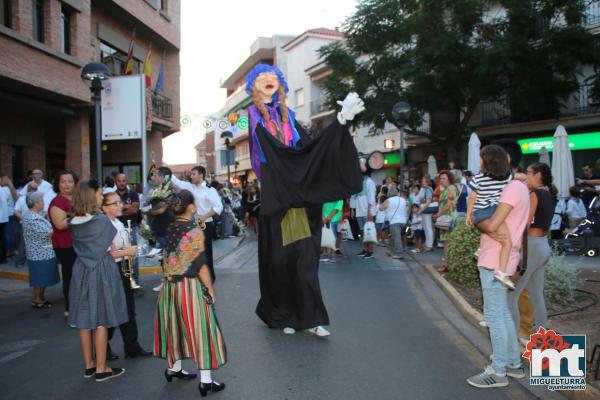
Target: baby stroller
(585, 237)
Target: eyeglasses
(113, 203)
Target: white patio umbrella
(432, 166)
(544, 156)
(562, 163)
(474, 149)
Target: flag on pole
(148, 67)
(129, 63)
(160, 81)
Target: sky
(215, 39)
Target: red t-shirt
(61, 239)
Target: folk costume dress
(298, 174)
(185, 323)
(96, 294)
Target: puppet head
(266, 83)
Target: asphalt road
(394, 336)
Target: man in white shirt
(366, 204)
(208, 204)
(43, 187)
(396, 210)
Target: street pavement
(395, 335)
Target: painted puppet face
(267, 84)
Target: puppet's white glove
(351, 106)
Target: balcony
(319, 108)
(579, 103)
(162, 107)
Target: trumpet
(128, 264)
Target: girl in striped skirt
(185, 323)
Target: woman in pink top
(59, 211)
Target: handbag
(369, 233)
(345, 230)
(327, 238)
(444, 222)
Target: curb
(24, 276)
(474, 316)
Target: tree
(446, 56)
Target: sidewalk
(9, 272)
(434, 258)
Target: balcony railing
(318, 106)
(162, 107)
(499, 113)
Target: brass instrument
(202, 224)
(128, 263)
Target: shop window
(65, 30)
(6, 13)
(37, 8)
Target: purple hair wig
(261, 68)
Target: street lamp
(400, 113)
(97, 72)
(226, 140)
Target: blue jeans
(361, 221)
(483, 214)
(505, 345)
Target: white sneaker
(319, 331)
(157, 288)
(483, 323)
(289, 331)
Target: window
(65, 31)
(299, 97)
(6, 13)
(38, 20)
(116, 60)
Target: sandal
(442, 268)
(504, 279)
(36, 305)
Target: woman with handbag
(428, 208)
(447, 212)
(396, 209)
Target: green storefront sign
(584, 141)
(392, 159)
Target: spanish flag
(129, 63)
(148, 68)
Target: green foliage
(446, 56)
(561, 280)
(463, 242)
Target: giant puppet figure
(298, 174)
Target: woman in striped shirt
(486, 188)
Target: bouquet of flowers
(160, 194)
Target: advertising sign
(584, 141)
(123, 108)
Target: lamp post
(400, 113)
(96, 72)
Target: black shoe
(185, 376)
(204, 388)
(89, 372)
(110, 356)
(139, 352)
(104, 376)
(362, 253)
(368, 255)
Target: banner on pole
(124, 107)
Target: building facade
(46, 117)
